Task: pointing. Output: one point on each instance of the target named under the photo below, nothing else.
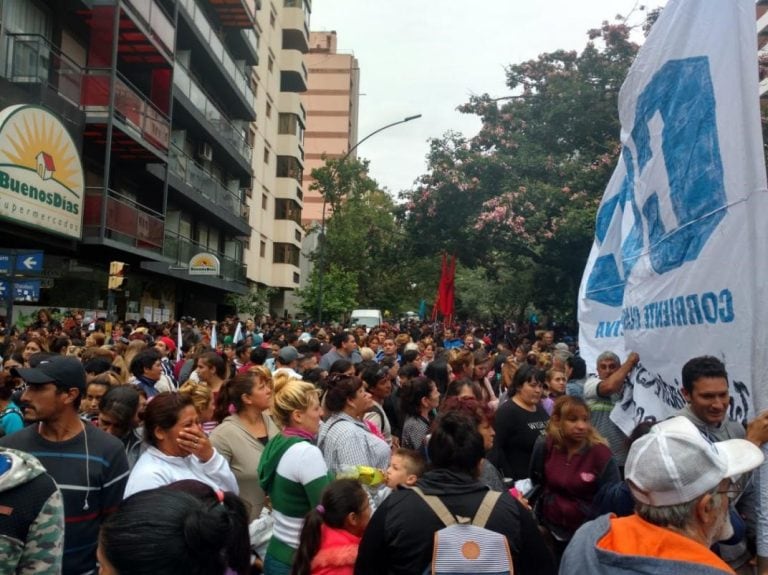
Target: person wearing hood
(682, 484)
(178, 448)
(292, 471)
(32, 529)
(399, 539)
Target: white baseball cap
(675, 463)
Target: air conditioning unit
(205, 151)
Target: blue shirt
(11, 419)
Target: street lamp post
(321, 271)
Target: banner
(677, 268)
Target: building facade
(168, 103)
(332, 103)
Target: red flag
(447, 301)
(440, 291)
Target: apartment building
(167, 110)
(272, 255)
(332, 103)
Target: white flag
(677, 269)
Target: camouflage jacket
(31, 517)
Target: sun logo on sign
(36, 142)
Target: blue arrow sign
(3, 289)
(29, 262)
(5, 263)
(26, 291)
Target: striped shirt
(301, 478)
(91, 484)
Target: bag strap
(437, 506)
(482, 515)
(486, 508)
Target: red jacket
(337, 554)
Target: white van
(367, 318)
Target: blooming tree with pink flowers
(524, 191)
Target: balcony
(288, 189)
(31, 59)
(235, 13)
(290, 103)
(159, 28)
(129, 223)
(295, 23)
(284, 276)
(290, 145)
(181, 249)
(219, 200)
(284, 232)
(222, 59)
(293, 72)
(244, 45)
(219, 126)
(137, 115)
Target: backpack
(464, 545)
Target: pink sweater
(337, 554)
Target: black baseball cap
(64, 371)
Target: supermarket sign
(41, 174)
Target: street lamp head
(409, 118)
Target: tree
(254, 303)
(363, 242)
(529, 183)
(339, 293)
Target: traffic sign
(3, 289)
(29, 262)
(26, 291)
(5, 263)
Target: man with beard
(682, 484)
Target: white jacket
(156, 469)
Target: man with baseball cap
(682, 483)
(287, 361)
(89, 466)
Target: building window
(272, 18)
(266, 155)
(263, 249)
(288, 210)
(290, 124)
(286, 254)
(298, 236)
(270, 63)
(269, 110)
(264, 201)
(289, 167)
(296, 277)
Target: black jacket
(399, 538)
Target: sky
(419, 57)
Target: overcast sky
(429, 57)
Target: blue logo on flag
(681, 92)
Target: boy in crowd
(405, 468)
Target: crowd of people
(197, 447)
